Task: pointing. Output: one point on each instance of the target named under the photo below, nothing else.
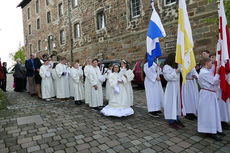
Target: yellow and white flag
(184, 49)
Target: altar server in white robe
(63, 80)
(96, 80)
(71, 88)
(153, 88)
(208, 108)
(107, 86)
(190, 94)
(172, 106)
(47, 82)
(76, 75)
(118, 102)
(128, 74)
(54, 77)
(88, 91)
(224, 111)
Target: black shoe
(215, 137)
(76, 102)
(190, 117)
(95, 108)
(154, 114)
(221, 134)
(225, 126)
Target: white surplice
(62, 87)
(107, 86)
(190, 93)
(208, 108)
(76, 76)
(88, 91)
(118, 102)
(153, 88)
(71, 88)
(96, 95)
(47, 82)
(54, 78)
(172, 107)
(128, 86)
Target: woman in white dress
(128, 74)
(47, 82)
(107, 86)
(190, 94)
(118, 102)
(208, 109)
(172, 107)
(153, 88)
(76, 75)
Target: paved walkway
(32, 125)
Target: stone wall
(123, 37)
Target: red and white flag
(223, 53)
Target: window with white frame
(28, 13)
(169, 2)
(62, 37)
(77, 33)
(60, 9)
(75, 3)
(135, 8)
(100, 20)
(38, 23)
(37, 6)
(50, 43)
(48, 17)
(39, 45)
(31, 49)
(30, 29)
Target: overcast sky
(11, 28)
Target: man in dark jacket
(1, 75)
(19, 77)
(30, 74)
(5, 76)
(37, 64)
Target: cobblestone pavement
(32, 125)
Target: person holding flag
(153, 87)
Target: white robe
(118, 102)
(224, 110)
(190, 93)
(153, 88)
(88, 91)
(107, 86)
(128, 85)
(47, 82)
(76, 76)
(96, 95)
(62, 87)
(54, 78)
(208, 108)
(172, 107)
(71, 88)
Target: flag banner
(223, 51)
(184, 49)
(155, 31)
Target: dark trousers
(19, 84)
(1, 84)
(4, 84)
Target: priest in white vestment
(88, 91)
(118, 102)
(76, 75)
(96, 81)
(208, 108)
(128, 74)
(190, 94)
(63, 80)
(47, 82)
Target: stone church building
(111, 29)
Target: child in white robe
(47, 82)
(107, 86)
(208, 109)
(54, 77)
(71, 88)
(96, 81)
(190, 94)
(172, 107)
(128, 74)
(76, 75)
(118, 103)
(88, 91)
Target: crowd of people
(196, 100)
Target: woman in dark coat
(19, 77)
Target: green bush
(3, 100)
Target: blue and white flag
(155, 31)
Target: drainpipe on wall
(70, 31)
